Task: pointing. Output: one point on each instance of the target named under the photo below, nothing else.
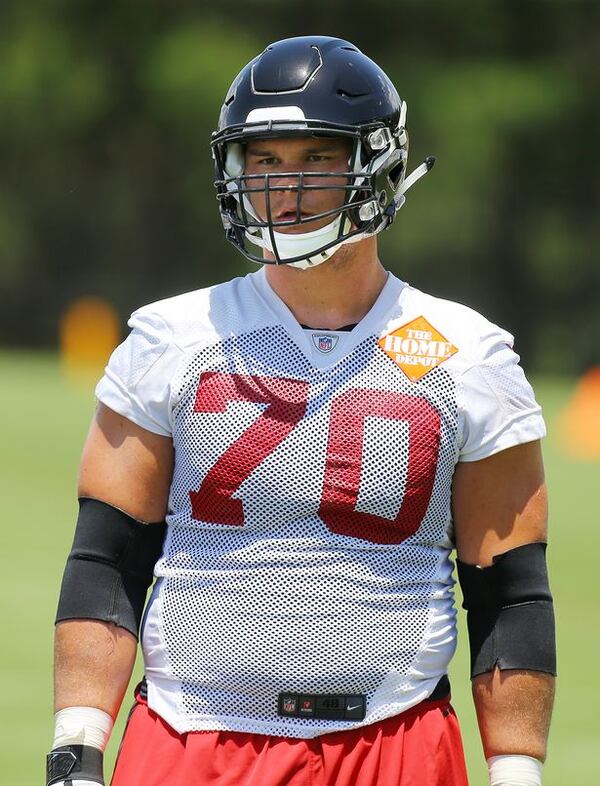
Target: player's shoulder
(213, 311)
(445, 309)
(194, 304)
(464, 326)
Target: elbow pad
(510, 613)
(110, 567)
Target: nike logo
(349, 708)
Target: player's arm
(124, 482)
(500, 508)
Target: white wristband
(82, 726)
(514, 771)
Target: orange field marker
(89, 331)
(580, 420)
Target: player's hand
(74, 765)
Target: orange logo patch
(417, 348)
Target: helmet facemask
(371, 188)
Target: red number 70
(286, 404)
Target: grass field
(43, 421)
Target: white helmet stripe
(275, 113)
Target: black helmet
(313, 86)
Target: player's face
(304, 154)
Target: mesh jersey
(309, 523)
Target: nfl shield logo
(289, 705)
(324, 342)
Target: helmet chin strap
(416, 174)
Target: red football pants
(420, 747)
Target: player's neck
(338, 292)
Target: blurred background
(106, 203)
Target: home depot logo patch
(417, 348)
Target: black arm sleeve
(110, 566)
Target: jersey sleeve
(499, 409)
(136, 381)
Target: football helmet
(312, 86)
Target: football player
(293, 455)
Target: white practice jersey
(309, 522)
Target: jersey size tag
(330, 706)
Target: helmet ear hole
(395, 173)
